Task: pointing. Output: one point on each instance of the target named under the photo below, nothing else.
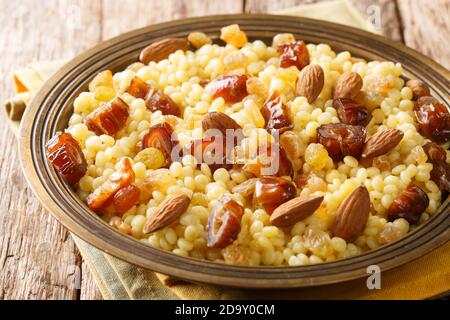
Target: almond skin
(160, 50)
(167, 212)
(418, 88)
(352, 215)
(382, 142)
(295, 210)
(348, 85)
(219, 121)
(310, 82)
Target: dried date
(108, 118)
(294, 54)
(138, 88)
(126, 198)
(270, 192)
(433, 118)
(158, 100)
(409, 204)
(275, 113)
(65, 154)
(212, 151)
(161, 136)
(231, 88)
(342, 140)
(154, 99)
(224, 223)
(104, 194)
(351, 112)
(441, 169)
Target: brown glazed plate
(53, 104)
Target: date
(271, 192)
(103, 196)
(342, 140)
(126, 198)
(161, 136)
(109, 118)
(441, 169)
(212, 151)
(409, 204)
(65, 154)
(294, 54)
(224, 223)
(154, 99)
(351, 112)
(231, 88)
(275, 113)
(433, 118)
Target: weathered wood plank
(38, 259)
(118, 18)
(426, 27)
(386, 9)
(89, 289)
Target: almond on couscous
(249, 154)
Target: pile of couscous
(128, 174)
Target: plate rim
(31, 172)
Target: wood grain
(143, 12)
(389, 22)
(89, 289)
(426, 27)
(38, 259)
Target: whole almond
(219, 121)
(160, 50)
(382, 142)
(167, 212)
(418, 88)
(295, 210)
(348, 85)
(352, 215)
(310, 82)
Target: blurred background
(38, 259)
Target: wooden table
(38, 259)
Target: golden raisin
(198, 39)
(153, 158)
(316, 156)
(233, 35)
(102, 79)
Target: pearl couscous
(185, 80)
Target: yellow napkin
(426, 277)
(337, 11)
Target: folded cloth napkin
(424, 278)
